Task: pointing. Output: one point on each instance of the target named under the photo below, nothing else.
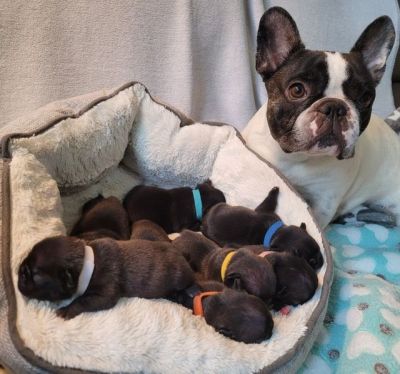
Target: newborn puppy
(148, 230)
(240, 269)
(296, 281)
(195, 247)
(234, 314)
(238, 226)
(173, 209)
(102, 218)
(88, 279)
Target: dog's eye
(297, 91)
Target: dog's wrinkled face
(319, 102)
(239, 316)
(51, 270)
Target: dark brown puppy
(237, 226)
(135, 268)
(172, 209)
(241, 269)
(296, 280)
(148, 230)
(234, 314)
(102, 218)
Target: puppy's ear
(234, 281)
(303, 226)
(375, 44)
(277, 38)
(270, 202)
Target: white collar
(84, 277)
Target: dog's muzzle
(332, 122)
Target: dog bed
(60, 156)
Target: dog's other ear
(375, 44)
(277, 38)
(303, 226)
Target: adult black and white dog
(317, 126)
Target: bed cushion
(362, 325)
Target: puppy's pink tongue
(285, 310)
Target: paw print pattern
(361, 330)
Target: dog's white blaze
(337, 72)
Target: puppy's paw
(67, 313)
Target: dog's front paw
(67, 312)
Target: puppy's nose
(333, 107)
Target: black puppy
(239, 269)
(148, 230)
(238, 226)
(296, 281)
(87, 279)
(102, 218)
(173, 209)
(234, 314)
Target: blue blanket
(361, 331)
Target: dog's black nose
(333, 107)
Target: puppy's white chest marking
(337, 72)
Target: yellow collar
(225, 264)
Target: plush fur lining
(138, 335)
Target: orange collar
(197, 302)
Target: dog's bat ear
(303, 226)
(375, 44)
(277, 38)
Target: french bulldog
(234, 314)
(173, 209)
(317, 127)
(296, 281)
(148, 230)
(88, 278)
(237, 226)
(240, 269)
(102, 218)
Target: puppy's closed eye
(38, 278)
(226, 332)
(66, 277)
(281, 291)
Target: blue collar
(198, 204)
(271, 232)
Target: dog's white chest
(333, 187)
